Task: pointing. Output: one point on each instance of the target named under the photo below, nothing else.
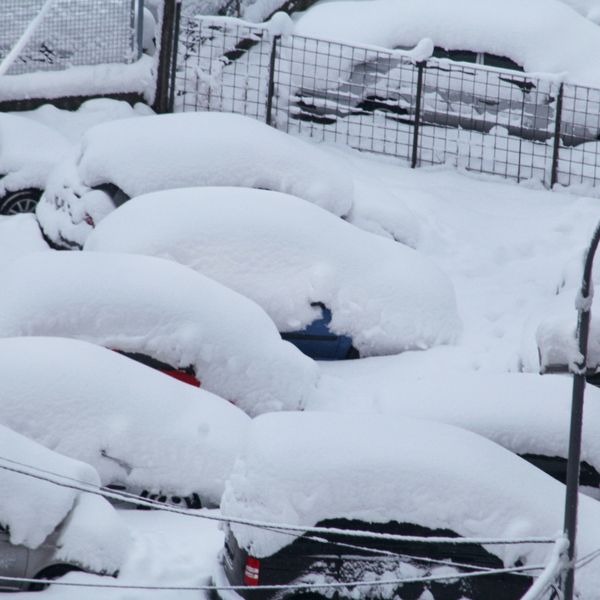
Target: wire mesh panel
(579, 158)
(340, 93)
(72, 32)
(222, 66)
(487, 120)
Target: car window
(492, 60)
(458, 55)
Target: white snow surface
(182, 150)
(302, 468)
(285, 253)
(92, 535)
(28, 150)
(524, 412)
(19, 235)
(136, 426)
(161, 309)
(543, 36)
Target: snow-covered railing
(406, 104)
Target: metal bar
(555, 149)
(271, 88)
(140, 28)
(171, 102)
(415, 145)
(161, 99)
(584, 311)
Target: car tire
(20, 201)
(53, 572)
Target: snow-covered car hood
(182, 150)
(92, 535)
(163, 310)
(285, 254)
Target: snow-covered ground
(506, 249)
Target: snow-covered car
(164, 311)
(28, 152)
(301, 264)
(401, 476)
(145, 434)
(47, 530)
(473, 33)
(119, 160)
(526, 413)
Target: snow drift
(285, 254)
(163, 310)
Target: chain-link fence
(490, 120)
(71, 32)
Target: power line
(276, 527)
(291, 586)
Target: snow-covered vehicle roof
(503, 407)
(286, 254)
(302, 468)
(91, 532)
(137, 427)
(163, 310)
(182, 150)
(539, 35)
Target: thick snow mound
(301, 468)
(32, 509)
(28, 151)
(525, 31)
(182, 150)
(285, 254)
(163, 310)
(19, 235)
(503, 407)
(136, 426)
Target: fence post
(165, 55)
(415, 145)
(555, 149)
(271, 88)
(171, 101)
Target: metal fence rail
(73, 32)
(480, 118)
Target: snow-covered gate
(426, 111)
(69, 33)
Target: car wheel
(21, 201)
(53, 572)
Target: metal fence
(485, 119)
(71, 32)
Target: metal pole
(140, 27)
(584, 311)
(271, 88)
(171, 101)
(415, 144)
(557, 124)
(161, 100)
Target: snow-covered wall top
(182, 150)
(133, 424)
(301, 468)
(285, 254)
(540, 35)
(32, 508)
(161, 309)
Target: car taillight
(89, 220)
(251, 571)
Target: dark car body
(329, 558)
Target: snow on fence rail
(427, 112)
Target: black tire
(53, 572)
(21, 201)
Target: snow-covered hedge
(136, 426)
(302, 468)
(163, 310)
(285, 254)
(540, 35)
(180, 150)
(93, 535)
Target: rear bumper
(219, 579)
